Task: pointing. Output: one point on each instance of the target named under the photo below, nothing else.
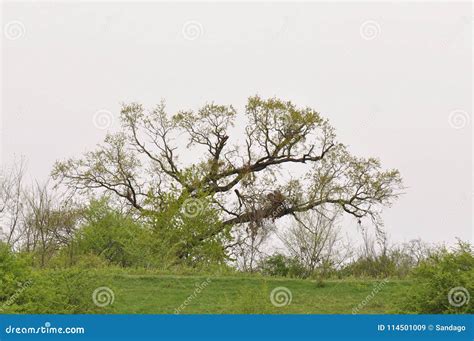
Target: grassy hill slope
(158, 294)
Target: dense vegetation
(137, 290)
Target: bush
(66, 291)
(375, 267)
(283, 266)
(443, 283)
(297, 269)
(275, 265)
(111, 236)
(14, 274)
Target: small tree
(49, 223)
(314, 240)
(11, 203)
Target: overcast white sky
(394, 79)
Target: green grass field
(161, 294)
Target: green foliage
(91, 261)
(297, 269)
(275, 265)
(444, 275)
(14, 272)
(65, 291)
(283, 266)
(187, 230)
(23, 290)
(374, 267)
(184, 231)
(112, 236)
(140, 161)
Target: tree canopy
(245, 176)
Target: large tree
(245, 174)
